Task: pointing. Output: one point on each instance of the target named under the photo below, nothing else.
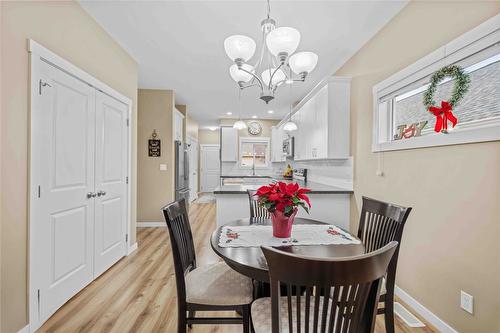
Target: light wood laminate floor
(138, 293)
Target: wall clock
(254, 128)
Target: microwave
(288, 147)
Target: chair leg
(181, 319)
(246, 318)
(389, 312)
(191, 314)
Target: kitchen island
(329, 203)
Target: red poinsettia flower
(283, 197)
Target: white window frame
(255, 140)
(483, 36)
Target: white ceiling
(179, 45)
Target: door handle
(101, 193)
(91, 195)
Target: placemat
(302, 234)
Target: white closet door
(110, 182)
(62, 231)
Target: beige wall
(155, 188)
(66, 29)
(451, 241)
(208, 137)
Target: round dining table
(250, 261)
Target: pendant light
(290, 126)
(239, 124)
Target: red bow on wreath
(443, 114)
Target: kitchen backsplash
(234, 169)
(329, 172)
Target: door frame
(194, 141)
(200, 161)
(38, 54)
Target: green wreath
(462, 81)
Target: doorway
(209, 167)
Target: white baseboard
(425, 313)
(151, 224)
(132, 248)
(25, 329)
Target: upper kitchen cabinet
(277, 137)
(323, 121)
(229, 144)
(178, 125)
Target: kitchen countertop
(316, 188)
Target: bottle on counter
(288, 174)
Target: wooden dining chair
(255, 210)
(381, 223)
(214, 287)
(351, 285)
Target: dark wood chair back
(181, 240)
(255, 210)
(381, 223)
(351, 287)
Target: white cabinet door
(229, 140)
(178, 124)
(110, 182)
(210, 167)
(277, 137)
(62, 229)
(321, 120)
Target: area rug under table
(302, 234)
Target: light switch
(163, 167)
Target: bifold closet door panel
(110, 182)
(62, 230)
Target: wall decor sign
(407, 131)
(154, 145)
(444, 113)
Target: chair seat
(261, 314)
(218, 284)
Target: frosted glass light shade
(278, 76)
(239, 47)
(283, 39)
(239, 125)
(239, 75)
(290, 126)
(303, 62)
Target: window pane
(246, 161)
(480, 102)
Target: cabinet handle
(101, 193)
(91, 195)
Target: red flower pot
(282, 224)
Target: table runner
(302, 234)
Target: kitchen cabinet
(229, 144)
(178, 126)
(323, 122)
(277, 137)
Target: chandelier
(277, 62)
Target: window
(398, 100)
(254, 152)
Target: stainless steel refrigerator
(181, 171)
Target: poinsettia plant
(283, 197)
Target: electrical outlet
(466, 302)
(163, 167)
